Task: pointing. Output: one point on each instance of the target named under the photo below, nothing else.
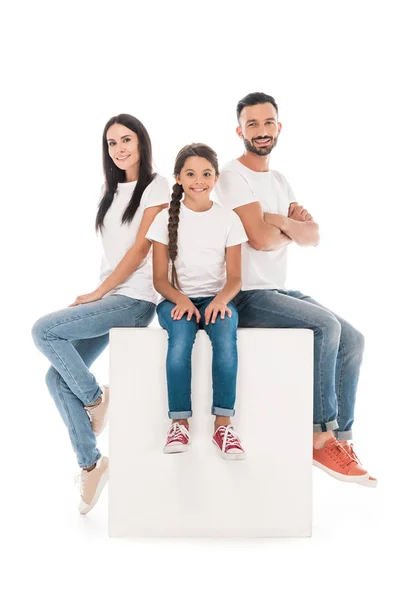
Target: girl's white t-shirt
(238, 185)
(117, 238)
(202, 240)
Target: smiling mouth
(198, 189)
(122, 158)
(262, 142)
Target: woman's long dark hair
(202, 151)
(114, 175)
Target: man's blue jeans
(72, 339)
(181, 336)
(338, 350)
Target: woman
(74, 337)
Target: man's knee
(354, 341)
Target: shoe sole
(372, 483)
(225, 456)
(346, 478)
(178, 449)
(102, 482)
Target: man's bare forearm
(303, 233)
(273, 239)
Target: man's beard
(250, 147)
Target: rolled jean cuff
(344, 435)
(222, 412)
(183, 414)
(93, 462)
(329, 426)
(99, 392)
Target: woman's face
(197, 177)
(123, 147)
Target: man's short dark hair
(253, 99)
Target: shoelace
(353, 455)
(80, 481)
(176, 434)
(230, 439)
(341, 454)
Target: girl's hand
(213, 309)
(92, 297)
(185, 306)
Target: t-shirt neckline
(202, 212)
(251, 170)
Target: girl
(74, 337)
(201, 243)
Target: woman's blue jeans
(72, 339)
(181, 337)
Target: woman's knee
(52, 379)
(39, 329)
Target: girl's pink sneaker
(228, 443)
(178, 439)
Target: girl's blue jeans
(72, 339)
(181, 337)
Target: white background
(181, 67)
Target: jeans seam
(66, 408)
(338, 391)
(76, 319)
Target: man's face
(259, 128)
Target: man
(273, 219)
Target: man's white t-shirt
(202, 240)
(117, 238)
(237, 186)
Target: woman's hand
(214, 308)
(92, 297)
(185, 306)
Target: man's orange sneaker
(348, 446)
(335, 460)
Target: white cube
(197, 493)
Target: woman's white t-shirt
(202, 240)
(237, 186)
(117, 238)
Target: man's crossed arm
(268, 231)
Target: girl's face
(123, 146)
(197, 178)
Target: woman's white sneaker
(92, 484)
(98, 414)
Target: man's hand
(92, 297)
(185, 306)
(298, 212)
